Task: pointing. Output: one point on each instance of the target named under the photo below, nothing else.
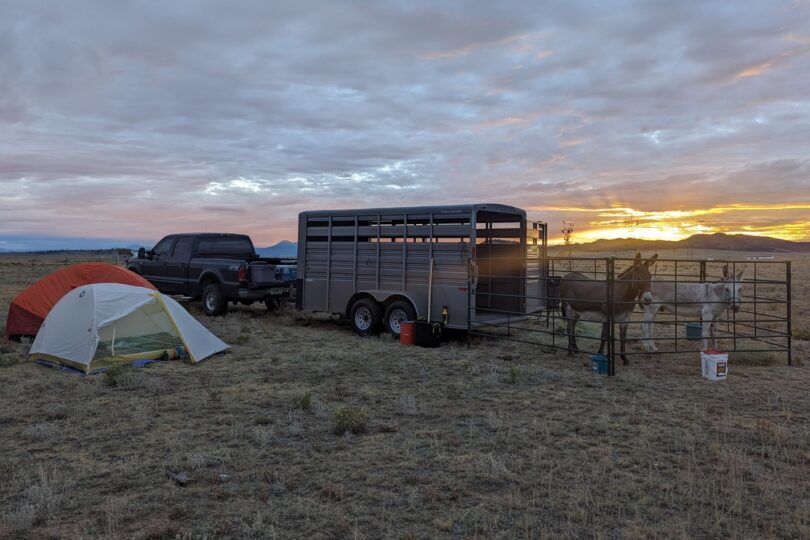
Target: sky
(127, 121)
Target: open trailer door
(499, 253)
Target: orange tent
(30, 307)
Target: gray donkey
(581, 295)
(700, 301)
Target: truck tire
(273, 304)
(365, 317)
(214, 302)
(397, 312)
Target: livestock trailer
(381, 266)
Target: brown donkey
(582, 296)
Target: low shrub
(56, 411)
(513, 377)
(350, 420)
(116, 374)
(302, 400)
(8, 356)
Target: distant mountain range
(29, 244)
(51, 244)
(716, 241)
(286, 248)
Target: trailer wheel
(214, 302)
(365, 317)
(398, 311)
(273, 304)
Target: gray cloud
(137, 119)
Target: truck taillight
(242, 273)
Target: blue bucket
(694, 331)
(599, 363)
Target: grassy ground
(496, 440)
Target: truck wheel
(273, 304)
(365, 317)
(397, 312)
(214, 302)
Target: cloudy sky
(131, 120)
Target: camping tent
(95, 326)
(29, 308)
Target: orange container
(407, 332)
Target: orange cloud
(519, 41)
(758, 69)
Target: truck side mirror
(141, 253)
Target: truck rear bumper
(259, 293)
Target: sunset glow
(624, 222)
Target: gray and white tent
(95, 326)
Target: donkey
(705, 301)
(581, 295)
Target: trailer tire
(273, 304)
(365, 317)
(397, 312)
(214, 302)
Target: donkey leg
(604, 337)
(647, 328)
(569, 326)
(622, 341)
(706, 332)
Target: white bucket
(714, 365)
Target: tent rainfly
(29, 308)
(99, 325)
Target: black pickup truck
(217, 268)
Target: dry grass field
(304, 430)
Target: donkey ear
(740, 273)
(638, 258)
(651, 261)
(725, 271)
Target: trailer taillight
(242, 273)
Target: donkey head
(640, 274)
(732, 288)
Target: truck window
(164, 247)
(182, 249)
(225, 247)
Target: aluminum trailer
(380, 266)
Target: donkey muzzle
(646, 298)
